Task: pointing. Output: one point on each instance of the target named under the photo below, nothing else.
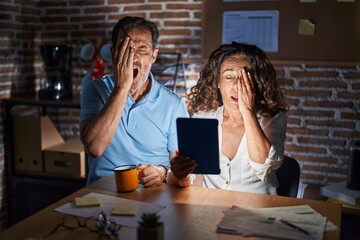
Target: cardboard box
(31, 135)
(66, 159)
(19, 143)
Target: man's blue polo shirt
(146, 132)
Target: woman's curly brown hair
(269, 98)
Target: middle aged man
(129, 118)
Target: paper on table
(266, 222)
(107, 204)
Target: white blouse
(242, 174)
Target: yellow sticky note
(306, 27)
(87, 202)
(125, 210)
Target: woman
(238, 87)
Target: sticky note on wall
(306, 27)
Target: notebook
(198, 138)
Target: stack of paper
(339, 192)
(298, 222)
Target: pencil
(293, 226)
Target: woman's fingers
(181, 166)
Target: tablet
(198, 138)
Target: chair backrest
(288, 176)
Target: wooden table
(190, 213)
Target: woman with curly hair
(238, 87)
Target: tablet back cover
(198, 138)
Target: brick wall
(324, 99)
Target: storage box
(31, 135)
(65, 159)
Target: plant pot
(156, 233)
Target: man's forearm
(98, 132)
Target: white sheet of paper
(266, 222)
(107, 204)
(254, 27)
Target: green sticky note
(306, 27)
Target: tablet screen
(198, 138)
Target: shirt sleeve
(93, 97)
(275, 130)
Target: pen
(293, 226)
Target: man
(129, 118)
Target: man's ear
(155, 54)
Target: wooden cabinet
(27, 192)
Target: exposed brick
(97, 26)
(62, 11)
(335, 179)
(344, 152)
(53, 19)
(179, 41)
(317, 150)
(351, 115)
(6, 17)
(316, 159)
(316, 113)
(335, 84)
(183, 23)
(9, 8)
(308, 93)
(120, 15)
(86, 2)
(169, 15)
(87, 19)
(331, 123)
(324, 169)
(292, 101)
(311, 178)
(189, 6)
(98, 10)
(314, 74)
(355, 86)
(328, 104)
(352, 95)
(347, 134)
(169, 32)
(291, 120)
(62, 27)
(352, 75)
(50, 3)
(308, 131)
(320, 141)
(142, 7)
(132, 1)
(285, 81)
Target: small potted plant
(150, 227)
